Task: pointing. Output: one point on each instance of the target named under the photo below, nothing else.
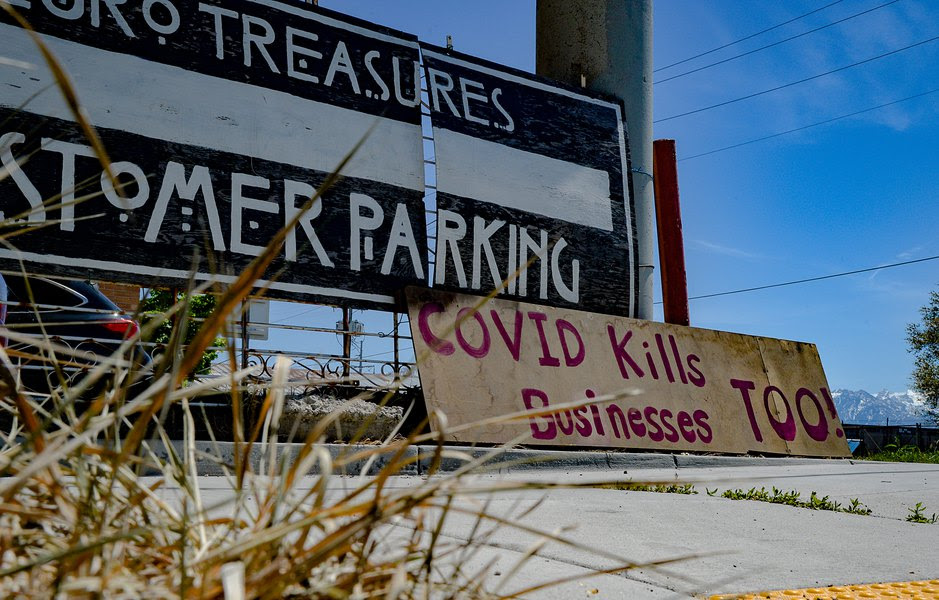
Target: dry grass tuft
(81, 515)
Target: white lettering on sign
(441, 86)
(69, 153)
(297, 192)
(181, 189)
(198, 184)
(258, 40)
(296, 67)
(219, 14)
(176, 110)
(534, 179)
(10, 167)
(402, 235)
(222, 119)
(121, 201)
(453, 243)
(161, 16)
(152, 18)
(303, 58)
(240, 202)
(115, 12)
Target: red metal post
(671, 244)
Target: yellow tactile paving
(901, 590)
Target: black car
(70, 314)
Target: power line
(810, 279)
(783, 41)
(780, 87)
(804, 127)
(743, 39)
(299, 314)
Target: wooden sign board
(529, 168)
(643, 385)
(222, 117)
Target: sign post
(671, 241)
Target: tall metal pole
(606, 45)
(397, 360)
(671, 242)
(245, 338)
(346, 343)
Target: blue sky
(852, 194)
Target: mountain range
(859, 407)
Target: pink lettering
(701, 418)
(563, 328)
(567, 428)
(784, 429)
(474, 351)
(617, 412)
(436, 344)
(745, 387)
(685, 423)
(635, 422)
(550, 431)
(678, 361)
(513, 344)
(623, 359)
(671, 434)
(668, 367)
(655, 432)
(818, 431)
(583, 424)
(546, 360)
(695, 375)
(595, 411)
(831, 409)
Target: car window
(44, 291)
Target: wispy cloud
(913, 252)
(902, 290)
(728, 251)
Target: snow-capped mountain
(858, 407)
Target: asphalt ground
(705, 545)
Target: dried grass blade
(67, 88)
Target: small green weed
(793, 498)
(776, 496)
(642, 487)
(917, 515)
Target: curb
(213, 458)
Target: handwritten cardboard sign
(645, 385)
(221, 117)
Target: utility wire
(810, 279)
(782, 41)
(299, 314)
(804, 127)
(743, 39)
(790, 84)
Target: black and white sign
(221, 118)
(527, 168)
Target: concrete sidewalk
(737, 546)
(719, 545)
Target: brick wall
(125, 296)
